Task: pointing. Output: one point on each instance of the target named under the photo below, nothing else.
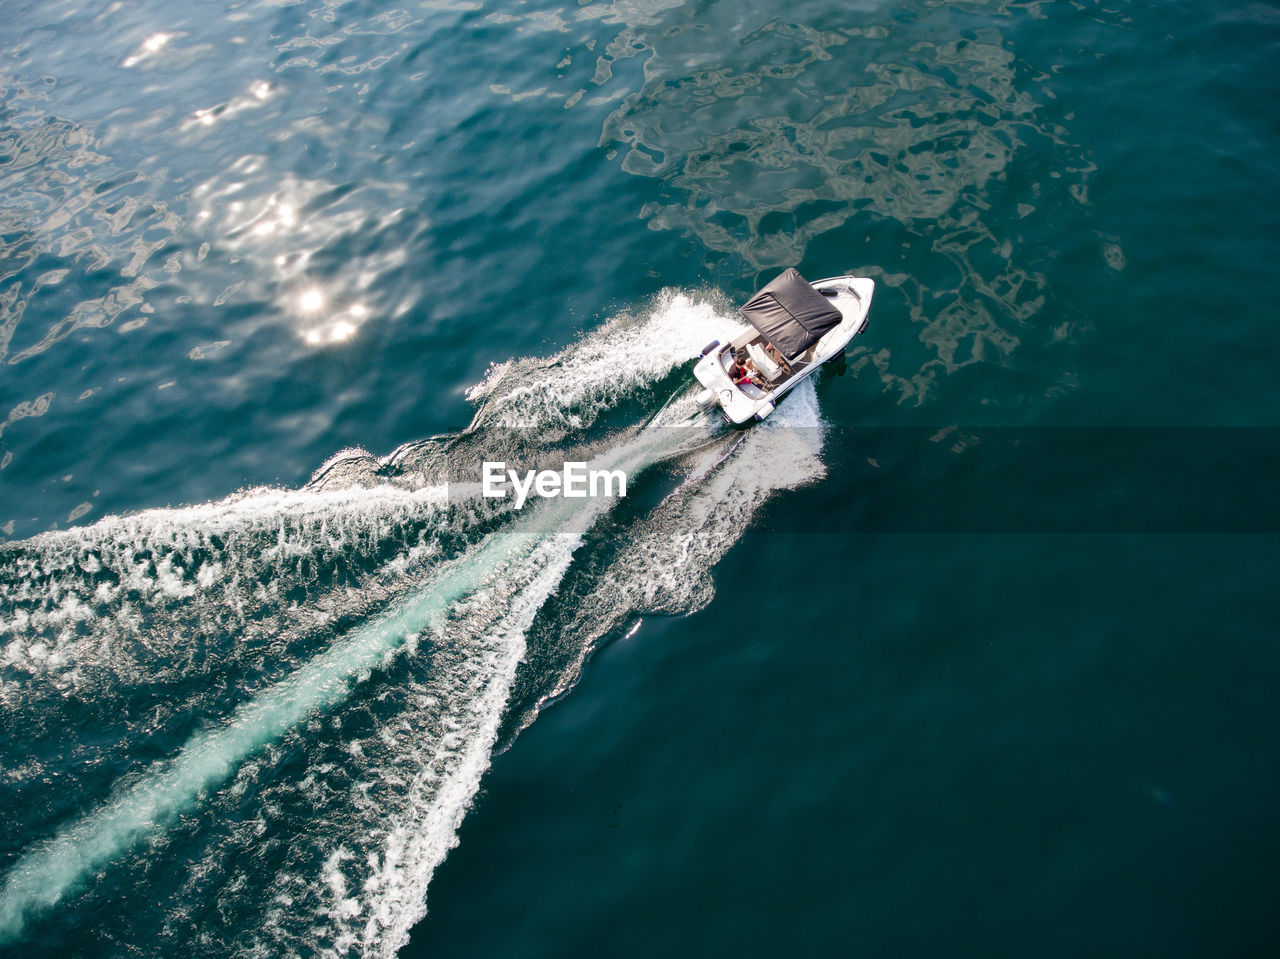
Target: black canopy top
(791, 314)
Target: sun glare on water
(337, 330)
(150, 46)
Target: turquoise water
(971, 650)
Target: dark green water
(971, 651)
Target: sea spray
(395, 886)
(312, 815)
(44, 875)
(664, 560)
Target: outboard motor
(705, 400)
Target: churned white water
(350, 651)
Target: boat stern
(720, 392)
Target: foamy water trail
(668, 556)
(545, 538)
(336, 664)
(573, 387)
(42, 877)
(395, 892)
(74, 600)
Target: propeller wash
(276, 709)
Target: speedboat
(796, 327)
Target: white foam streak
(666, 567)
(539, 549)
(418, 841)
(609, 363)
(43, 876)
(100, 597)
(64, 618)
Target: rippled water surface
(968, 650)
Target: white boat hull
(741, 405)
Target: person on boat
(744, 371)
